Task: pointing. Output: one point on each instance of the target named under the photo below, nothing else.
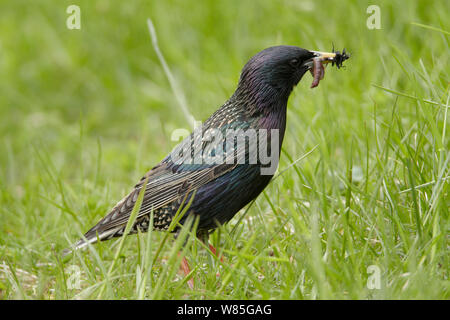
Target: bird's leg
(187, 270)
(203, 237)
(214, 251)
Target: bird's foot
(187, 270)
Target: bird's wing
(165, 183)
(169, 181)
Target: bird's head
(282, 67)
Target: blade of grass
(130, 223)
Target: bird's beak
(325, 57)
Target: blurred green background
(84, 113)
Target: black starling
(257, 112)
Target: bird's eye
(294, 62)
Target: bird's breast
(274, 121)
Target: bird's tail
(108, 227)
(91, 237)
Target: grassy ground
(84, 113)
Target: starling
(222, 175)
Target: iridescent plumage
(221, 190)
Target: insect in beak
(315, 64)
(335, 57)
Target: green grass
(84, 113)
